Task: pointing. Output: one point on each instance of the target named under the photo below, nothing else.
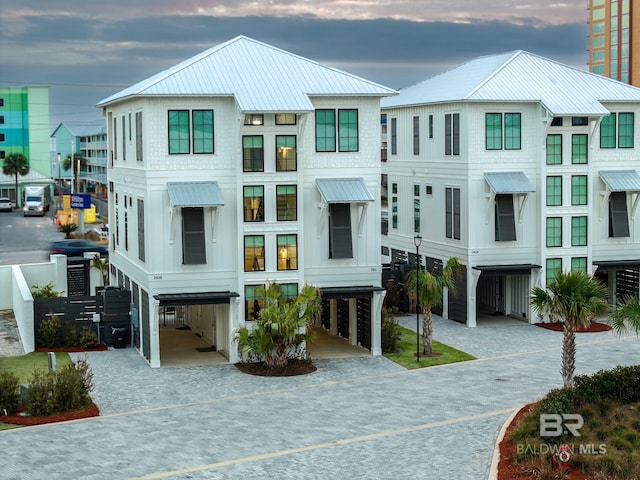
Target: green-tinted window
(579, 190)
(178, 131)
(512, 131)
(325, 131)
(286, 153)
(253, 302)
(252, 153)
(287, 202)
(202, 131)
(608, 131)
(554, 232)
(554, 191)
(348, 130)
(625, 130)
(554, 149)
(253, 203)
(287, 252)
(289, 290)
(253, 253)
(554, 265)
(579, 264)
(578, 231)
(493, 131)
(579, 148)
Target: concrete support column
(376, 322)
(233, 324)
(472, 284)
(333, 316)
(353, 321)
(154, 331)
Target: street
(25, 239)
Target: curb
(493, 470)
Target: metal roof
(261, 77)
(343, 190)
(509, 182)
(194, 298)
(195, 194)
(621, 180)
(520, 77)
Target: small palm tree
(67, 229)
(16, 164)
(102, 264)
(430, 293)
(627, 311)
(575, 298)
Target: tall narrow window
(452, 213)
(608, 131)
(554, 232)
(124, 138)
(325, 131)
(394, 136)
(286, 153)
(139, 136)
(625, 130)
(202, 131)
(253, 203)
(287, 203)
(493, 131)
(193, 244)
(578, 231)
(512, 131)
(554, 191)
(416, 208)
(430, 126)
(340, 241)
(126, 230)
(554, 149)
(178, 131)
(416, 135)
(254, 253)
(618, 215)
(452, 134)
(115, 138)
(579, 148)
(348, 130)
(141, 245)
(252, 153)
(287, 252)
(578, 190)
(505, 218)
(554, 265)
(394, 205)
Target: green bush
(9, 393)
(72, 386)
(45, 291)
(88, 338)
(39, 396)
(558, 401)
(390, 331)
(619, 384)
(48, 331)
(70, 334)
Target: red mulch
(293, 367)
(16, 419)
(559, 327)
(510, 471)
(100, 348)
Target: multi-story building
(242, 165)
(519, 166)
(24, 127)
(614, 39)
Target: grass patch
(24, 365)
(407, 349)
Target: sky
(86, 50)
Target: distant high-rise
(614, 39)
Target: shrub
(45, 291)
(558, 401)
(619, 383)
(9, 393)
(70, 334)
(72, 386)
(39, 396)
(88, 338)
(48, 331)
(390, 331)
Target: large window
(252, 153)
(578, 190)
(253, 303)
(287, 252)
(416, 135)
(340, 241)
(499, 127)
(394, 136)
(287, 203)
(178, 131)
(625, 130)
(579, 148)
(452, 213)
(141, 246)
(394, 205)
(554, 232)
(202, 131)
(452, 134)
(348, 130)
(505, 227)
(554, 191)
(554, 149)
(325, 131)
(512, 131)
(416, 208)
(554, 265)
(139, 136)
(253, 202)
(617, 127)
(579, 264)
(253, 253)
(608, 131)
(286, 153)
(493, 131)
(193, 244)
(618, 215)
(578, 231)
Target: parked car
(5, 204)
(76, 247)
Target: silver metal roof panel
(195, 194)
(621, 180)
(509, 182)
(343, 190)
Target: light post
(417, 240)
(59, 185)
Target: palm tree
(102, 264)
(575, 298)
(627, 311)
(16, 164)
(430, 293)
(67, 164)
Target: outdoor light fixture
(417, 240)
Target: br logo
(555, 425)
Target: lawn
(407, 350)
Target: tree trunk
(427, 331)
(568, 354)
(281, 354)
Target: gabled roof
(520, 77)
(262, 78)
(82, 129)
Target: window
(254, 253)
(254, 119)
(452, 134)
(556, 122)
(416, 135)
(1, 119)
(130, 126)
(618, 215)
(193, 244)
(494, 131)
(608, 131)
(252, 153)
(512, 131)
(289, 291)
(452, 213)
(325, 131)
(178, 131)
(505, 227)
(253, 303)
(554, 149)
(348, 130)
(579, 149)
(554, 191)
(394, 205)
(2, 137)
(430, 126)
(1, 102)
(139, 136)
(554, 265)
(124, 138)
(554, 232)
(287, 252)
(340, 242)
(126, 230)
(578, 231)
(141, 249)
(428, 190)
(625, 130)
(202, 131)
(253, 204)
(286, 153)
(416, 208)
(579, 121)
(394, 136)
(578, 190)
(287, 203)
(579, 264)
(285, 118)
(115, 137)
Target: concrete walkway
(355, 418)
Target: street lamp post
(417, 240)
(59, 185)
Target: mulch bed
(16, 419)
(559, 327)
(293, 368)
(100, 348)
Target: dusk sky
(86, 51)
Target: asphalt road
(26, 239)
